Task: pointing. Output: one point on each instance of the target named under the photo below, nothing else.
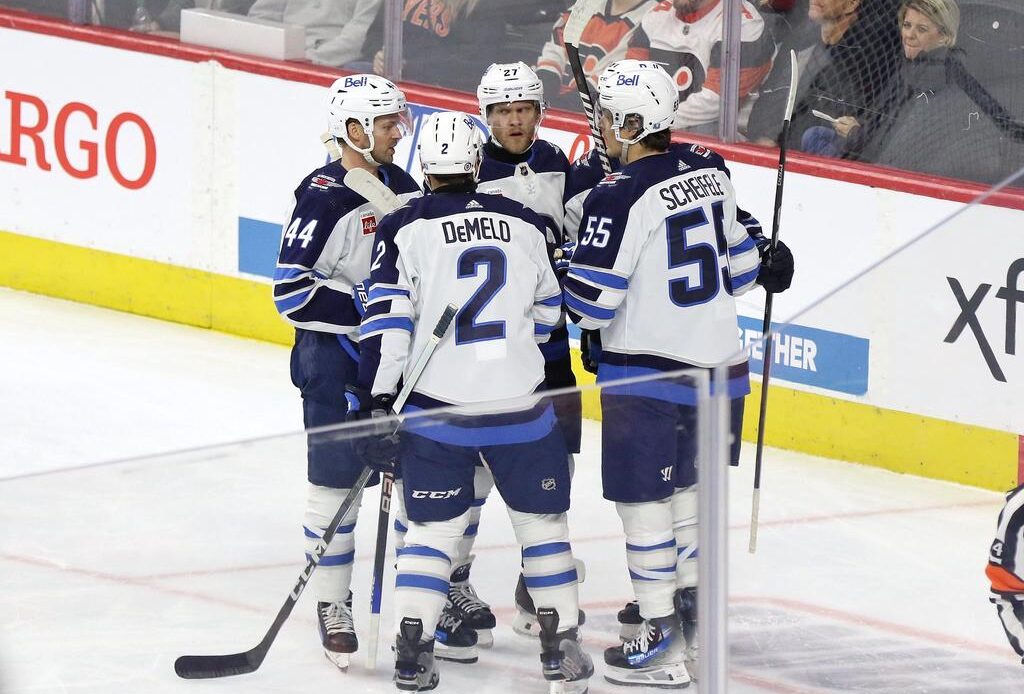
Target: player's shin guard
(421, 586)
(331, 582)
(549, 571)
(650, 555)
(475, 613)
(684, 526)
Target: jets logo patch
(612, 178)
(322, 182)
(369, 221)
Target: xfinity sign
(1010, 293)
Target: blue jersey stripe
(588, 309)
(502, 434)
(745, 278)
(742, 247)
(286, 305)
(386, 324)
(605, 279)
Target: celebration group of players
(646, 260)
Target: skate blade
(673, 676)
(341, 660)
(484, 638)
(563, 687)
(464, 655)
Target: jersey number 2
(493, 263)
(703, 256)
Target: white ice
(864, 580)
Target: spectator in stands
(163, 15)
(603, 41)
(846, 53)
(932, 98)
(686, 36)
(335, 29)
(449, 42)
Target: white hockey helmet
(450, 143)
(363, 98)
(504, 83)
(640, 92)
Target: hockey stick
(373, 189)
(331, 145)
(385, 200)
(755, 509)
(193, 667)
(581, 13)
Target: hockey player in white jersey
(325, 251)
(521, 167)
(488, 255)
(659, 261)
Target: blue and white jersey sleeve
(307, 291)
(387, 325)
(744, 259)
(605, 258)
(547, 306)
(584, 174)
(325, 250)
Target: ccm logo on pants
(446, 494)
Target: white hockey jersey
(487, 255)
(536, 179)
(690, 46)
(325, 249)
(659, 259)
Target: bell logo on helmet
(627, 81)
(355, 82)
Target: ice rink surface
(864, 581)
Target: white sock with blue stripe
(424, 566)
(333, 577)
(684, 525)
(548, 566)
(650, 555)
(483, 482)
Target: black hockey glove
(590, 349)
(377, 442)
(776, 273)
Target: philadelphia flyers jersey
(603, 41)
(690, 46)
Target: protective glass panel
(113, 570)
(900, 355)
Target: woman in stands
(933, 98)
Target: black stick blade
(204, 667)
